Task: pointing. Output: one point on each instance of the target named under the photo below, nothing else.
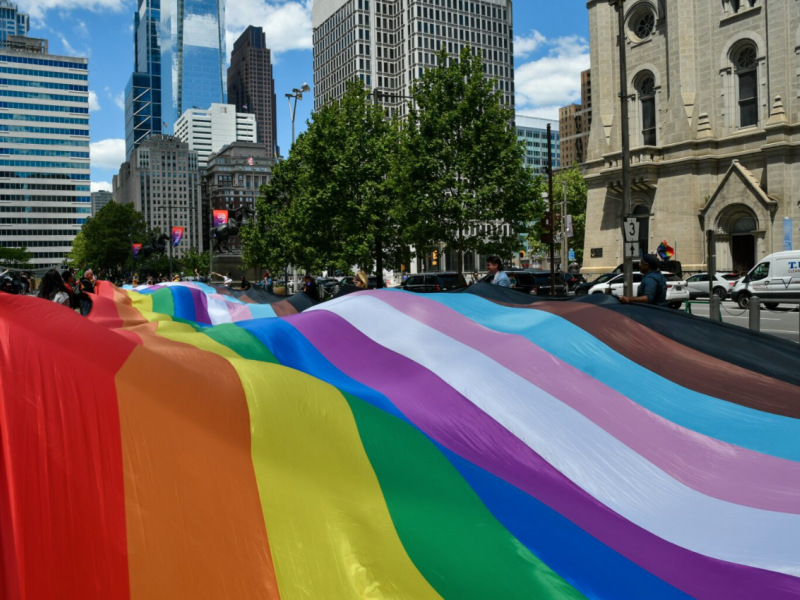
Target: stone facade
(714, 115)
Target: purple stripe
(453, 421)
(710, 466)
(200, 305)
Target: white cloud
(101, 186)
(108, 154)
(119, 100)
(287, 25)
(67, 47)
(37, 9)
(523, 46)
(554, 80)
(94, 103)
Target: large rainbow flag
(180, 443)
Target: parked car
(329, 284)
(723, 284)
(583, 288)
(573, 280)
(776, 277)
(372, 281)
(677, 291)
(434, 282)
(536, 282)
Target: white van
(776, 277)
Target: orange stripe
(194, 519)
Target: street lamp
(297, 94)
(626, 143)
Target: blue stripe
(183, 302)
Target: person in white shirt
(226, 279)
(53, 288)
(494, 266)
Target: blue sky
(551, 50)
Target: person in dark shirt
(245, 284)
(310, 287)
(653, 288)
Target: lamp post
(297, 94)
(169, 208)
(626, 142)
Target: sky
(551, 49)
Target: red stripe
(62, 511)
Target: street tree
(192, 259)
(104, 241)
(18, 258)
(331, 203)
(460, 166)
(576, 206)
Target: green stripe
(453, 539)
(241, 341)
(163, 302)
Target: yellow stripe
(330, 531)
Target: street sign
(632, 249)
(631, 229)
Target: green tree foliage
(18, 258)
(192, 259)
(576, 206)
(104, 241)
(460, 166)
(330, 204)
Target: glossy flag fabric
(220, 217)
(136, 248)
(182, 443)
(177, 235)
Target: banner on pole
(220, 217)
(136, 249)
(177, 234)
(568, 225)
(788, 236)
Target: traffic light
(522, 253)
(435, 257)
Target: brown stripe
(284, 308)
(674, 361)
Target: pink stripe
(710, 466)
(239, 312)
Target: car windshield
(760, 272)
(671, 277)
(448, 280)
(603, 278)
(730, 276)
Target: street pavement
(784, 325)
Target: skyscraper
(44, 135)
(209, 130)
(389, 43)
(192, 41)
(143, 92)
(532, 131)
(251, 87)
(12, 22)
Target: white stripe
(596, 461)
(218, 312)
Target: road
(785, 325)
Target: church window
(642, 23)
(646, 89)
(746, 69)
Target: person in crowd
(475, 277)
(310, 287)
(494, 266)
(8, 286)
(54, 289)
(88, 281)
(176, 278)
(150, 281)
(245, 285)
(268, 283)
(23, 280)
(69, 281)
(653, 288)
(227, 281)
(361, 280)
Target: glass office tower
(12, 22)
(192, 40)
(143, 92)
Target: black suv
(434, 282)
(536, 282)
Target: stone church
(714, 113)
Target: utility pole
(626, 143)
(210, 241)
(133, 257)
(169, 208)
(564, 241)
(551, 214)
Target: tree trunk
(379, 261)
(460, 252)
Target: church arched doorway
(741, 224)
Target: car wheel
(595, 293)
(743, 300)
(674, 304)
(720, 293)
(581, 292)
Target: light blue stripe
(768, 433)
